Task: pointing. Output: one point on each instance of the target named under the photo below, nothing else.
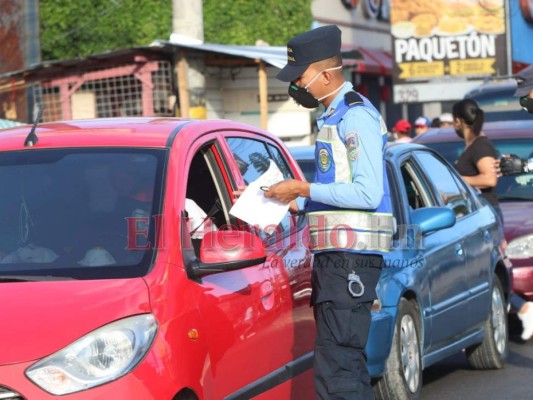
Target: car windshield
(510, 188)
(80, 214)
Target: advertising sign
(443, 48)
(521, 13)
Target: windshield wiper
(37, 278)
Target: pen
(264, 188)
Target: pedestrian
(476, 166)
(510, 163)
(524, 90)
(351, 189)
(435, 122)
(422, 125)
(402, 130)
(446, 120)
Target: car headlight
(96, 358)
(521, 247)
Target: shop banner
(443, 48)
(521, 13)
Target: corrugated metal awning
(364, 59)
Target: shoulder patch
(352, 99)
(353, 145)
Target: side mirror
(222, 251)
(431, 219)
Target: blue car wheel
(492, 352)
(403, 376)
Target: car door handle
(486, 236)
(459, 249)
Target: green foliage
(245, 21)
(73, 29)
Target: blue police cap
(524, 79)
(309, 47)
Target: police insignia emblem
(353, 145)
(324, 160)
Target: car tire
(492, 352)
(403, 376)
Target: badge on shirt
(324, 160)
(353, 145)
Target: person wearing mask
(422, 125)
(351, 183)
(476, 166)
(524, 90)
(511, 164)
(402, 130)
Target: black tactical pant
(342, 322)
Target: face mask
(459, 133)
(306, 99)
(302, 96)
(527, 104)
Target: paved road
(453, 379)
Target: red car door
(241, 322)
(289, 264)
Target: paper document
(255, 209)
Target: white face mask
(316, 77)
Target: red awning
(373, 61)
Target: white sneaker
(527, 321)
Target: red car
(515, 193)
(111, 289)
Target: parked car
(496, 98)
(108, 292)
(445, 283)
(515, 193)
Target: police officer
(348, 210)
(511, 164)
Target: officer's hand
(288, 190)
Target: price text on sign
(421, 69)
(472, 67)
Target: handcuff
(354, 278)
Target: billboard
(521, 13)
(443, 48)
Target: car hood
(40, 318)
(517, 221)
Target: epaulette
(352, 99)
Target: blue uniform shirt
(366, 189)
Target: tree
(246, 21)
(74, 29)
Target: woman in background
(476, 166)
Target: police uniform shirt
(363, 127)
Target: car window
(452, 195)
(207, 198)
(415, 189)
(83, 213)
(253, 159)
(515, 187)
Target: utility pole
(188, 20)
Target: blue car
(446, 281)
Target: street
(453, 378)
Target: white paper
(255, 209)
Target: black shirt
(466, 164)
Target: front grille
(8, 394)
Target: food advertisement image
(446, 42)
